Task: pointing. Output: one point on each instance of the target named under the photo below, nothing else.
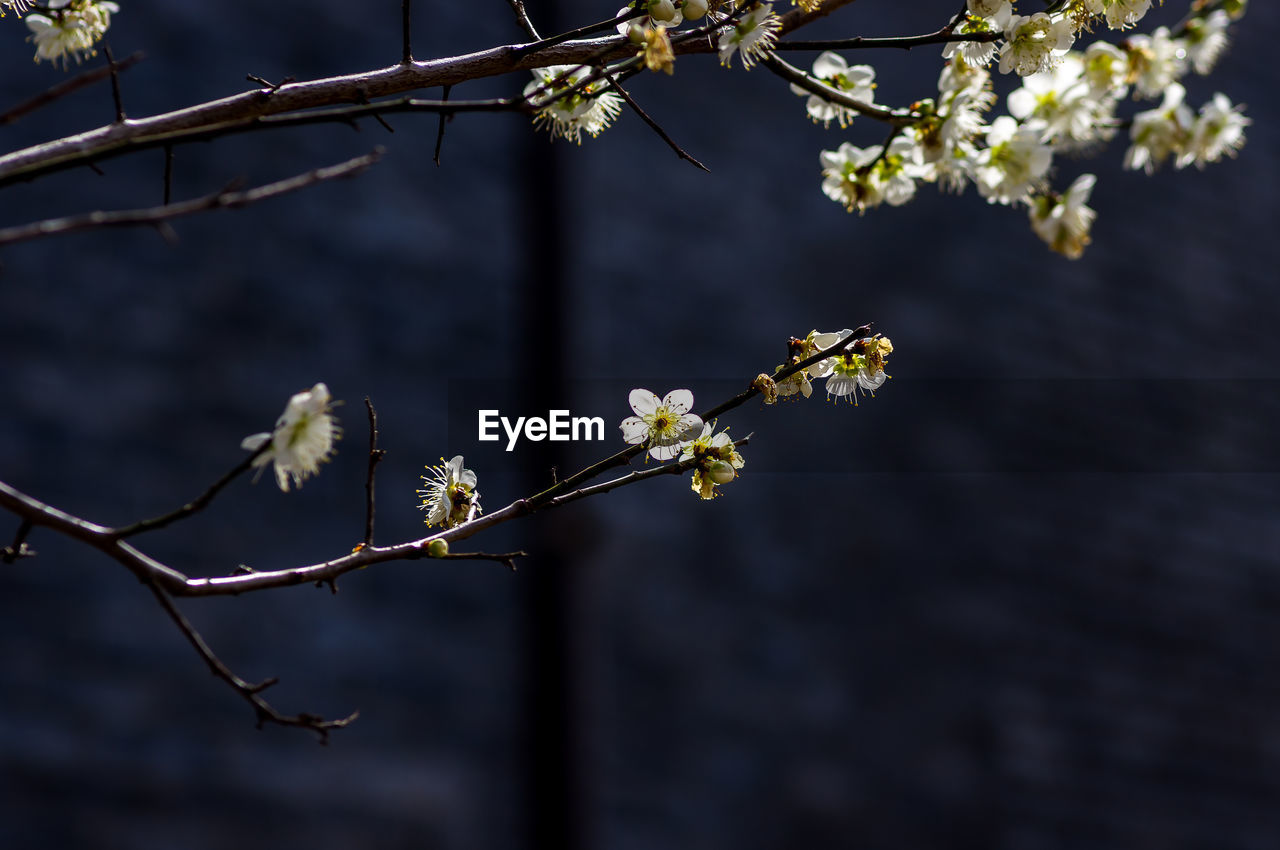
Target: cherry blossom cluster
(859, 367)
(1066, 102)
(668, 430)
(64, 29)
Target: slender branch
(174, 582)
(115, 82)
(783, 374)
(375, 457)
(196, 504)
(792, 74)
(252, 693)
(79, 81)
(250, 110)
(522, 18)
(406, 53)
(942, 36)
(18, 548)
(156, 216)
(444, 116)
(541, 45)
(677, 468)
(653, 125)
(508, 558)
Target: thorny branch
(375, 457)
(166, 582)
(294, 103)
(228, 198)
(252, 693)
(110, 542)
(66, 87)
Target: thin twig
(115, 82)
(175, 583)
(653, 125)
(406, 54)
(579, 33)
(18, 548)
(249, 111)
(522, 18)
(508, 558)
(792, 74)
(942, 36)
(155, 216)
(375, 457)
(677, 468)
(252, 693)
(79, 81)
(444, 116)
(197, 504)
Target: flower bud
(663, 11)
(438, 548)
(694, 9)
(721, 472)
(635, 32)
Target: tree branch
(196, 504)
(175, 583)
(290, 103)
(375, 457)
(792, 74)
(252, 693)
(522, 18)
(942, 36)
(154, 216)
(79, 81)
(653, 125)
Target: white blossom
(1156, 61)
(1206, 39)
(1014, 163)
(1157, 134)
(864, 178)
(302, 440)
(1106, 69)
(1074, 114)
(986, 16)
(1063, 222)
(665, 425)
(589, 109)
(70, 30)
(1034, 43)
(450, 497)
(1119, 14)
(752, 37)
(860, 367)
(1218, 130)
(716, 461)
(856, 81)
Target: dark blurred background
(1027, 598)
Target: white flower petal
(689, 426)
(253, 442)
(634, 430)
(643, 402)
(665, 452)
(678, 401)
